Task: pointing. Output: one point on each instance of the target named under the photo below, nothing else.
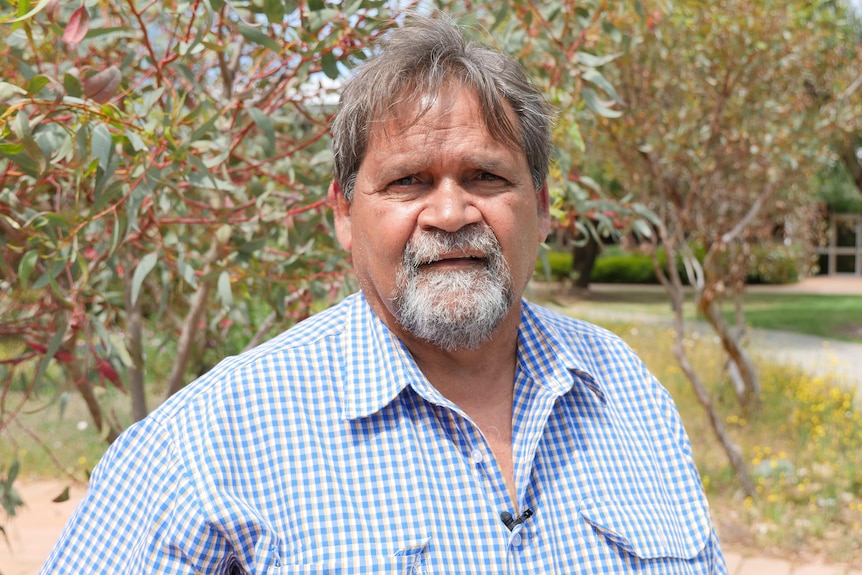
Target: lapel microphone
(510, 521)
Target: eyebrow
(478, 162)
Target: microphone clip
(510, 522)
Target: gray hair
(413, 64)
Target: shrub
(618, 266)
(554, 265)
(775, 263)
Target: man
(435, 422)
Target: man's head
(442, 149)
(410, 69)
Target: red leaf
(63, 356)
(79, 24)
(107, 371)
(102, 86)
(37, 346)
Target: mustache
(431, 246)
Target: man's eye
(405, 181)
(489, 177)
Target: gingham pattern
(327, 451)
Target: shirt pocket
(650, 531)
(409, 559)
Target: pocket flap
(651, 531)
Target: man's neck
(472, 378)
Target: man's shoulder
(294, 357)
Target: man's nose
(449, 207)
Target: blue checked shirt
(327, 451)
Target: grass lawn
(827, 316)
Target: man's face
(444, 224)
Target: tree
(163, 168)
(837, 86)
(719, 136)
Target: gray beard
(457, 309)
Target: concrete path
(739, 565)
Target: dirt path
(37, 526)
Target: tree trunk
(185, 345)
(134, 345)
(584, 258)
(731, 345)
(672, 283)
(85, 388)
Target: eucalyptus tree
(719, 134)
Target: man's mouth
(455, 260)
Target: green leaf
(573, 131)
(642, 228)
(53, 346)
(315, 5)
(24, 5)
(223, 290)
(26, 265)
(274, 10)
(36, 83)
(64, 496)
(204, 128)
(264, 123)
(500, 15)
(595, 61)
(9, 91)
(594, 103)
(188, 273)
(13, 473)
(318, 19)
(217, 4)
(146, 265)
(257, 36)
(330, 65)
(72, 86)
(101, 145)
(595, 78)
(121, 31)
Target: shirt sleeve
(141, 514)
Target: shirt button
(516, 540)
(476, 456)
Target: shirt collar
(552, 362)
(369, 344)
(376, 365)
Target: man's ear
(341, 211)
(544, 206)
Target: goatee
(453, 309)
